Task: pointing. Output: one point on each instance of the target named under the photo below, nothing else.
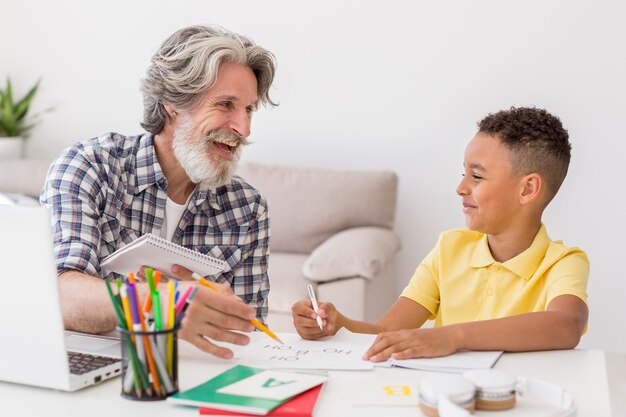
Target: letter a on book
(273, 382)
(241, 400)
(274, 385)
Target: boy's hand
(305, 323)
(415, 343)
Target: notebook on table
(157, 253)
(35, 349)
(300, 406)
(244, 390)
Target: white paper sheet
(304, 354)
(458, 362)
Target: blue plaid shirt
(106, 192)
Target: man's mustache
(226, 136)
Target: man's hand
(213, 315)
(414, 343)
(305, 323)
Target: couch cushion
(13, 199)
(359, 252)
(287, 284)
(308, 205)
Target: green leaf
(13, 121)
(22, 106)
(8, 91)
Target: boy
(502, 284)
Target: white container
(11, 147)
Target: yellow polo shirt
(459, 281)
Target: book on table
(157, 253)
(299, 406)
(259, 390)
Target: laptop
(35, 348)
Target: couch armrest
(360, 251)
(23, 176)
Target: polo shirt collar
(524, 264)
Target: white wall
(386, 85)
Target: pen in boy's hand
(315, 306)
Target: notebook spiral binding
(185, 252)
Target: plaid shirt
(106, 192)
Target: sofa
(330, 228)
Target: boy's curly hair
(536, 140)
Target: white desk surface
(581, 372)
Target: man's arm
(85, 303)
(559, 327)
(87, 308)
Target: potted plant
(14, 125)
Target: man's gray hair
(186, 66)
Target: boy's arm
(559, 327)
(404, 314)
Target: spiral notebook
(158, 253)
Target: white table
(581, 372)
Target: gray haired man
(176, 181)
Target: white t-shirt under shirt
(173, 214)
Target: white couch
(332, 228)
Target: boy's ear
(532, 188)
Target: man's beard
(200, 164)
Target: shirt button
(489, 291)
(496, 268)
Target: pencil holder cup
(149, 364)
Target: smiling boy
(501, 285)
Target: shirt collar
(148, 172)
(524, 264)
(205, 192)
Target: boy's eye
(475, 177)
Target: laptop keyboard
(81, 363)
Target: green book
(206, 395)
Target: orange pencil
(146, 342)
(256, 323)
(147, 307)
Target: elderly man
(176, 181)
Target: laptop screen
(33, 350)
